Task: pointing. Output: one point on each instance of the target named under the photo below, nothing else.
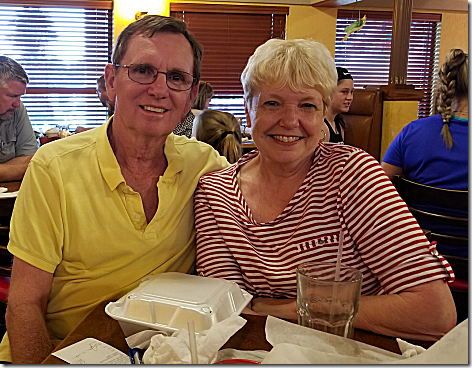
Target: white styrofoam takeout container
(167, 301)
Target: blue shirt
(420, 151)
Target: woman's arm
(423, 312)
(285, 308)
(394, 248)
(214, 258)
(391, 170)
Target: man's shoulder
(191, 148)
(72, 147)
(193, 155)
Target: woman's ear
(248, 118)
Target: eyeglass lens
(147, 74)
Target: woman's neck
(461, 108)
(330, 115)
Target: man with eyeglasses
(109, 206)
(17, 140)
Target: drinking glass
(326, 302)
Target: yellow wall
(308, 22)
(454, 33)
(395, 115)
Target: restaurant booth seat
(364, 121)
(411, 193)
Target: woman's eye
(271, 105)
(309, 106)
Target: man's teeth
(153, 109)
(283, 138)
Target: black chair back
(412, 193)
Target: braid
(448, 79)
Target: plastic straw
(336, 276)
(193, 342)
(338, 258)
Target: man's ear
(110, 81)
(248, 118)
(191, 99)
(193, 94)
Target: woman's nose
(289, 118)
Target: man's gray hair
(11, 70)
(148, 26)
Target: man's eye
(142, 69)
(271, 103)
(176, 76)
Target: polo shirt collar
(110, 169)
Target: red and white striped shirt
(344, 188)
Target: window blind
(366, 53)
(64, 47)
(229, 35)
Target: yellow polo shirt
(75, 217)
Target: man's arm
(25, 317)
(15, 168)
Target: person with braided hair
(220, 130)
(434, 150)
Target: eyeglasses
(147, 74)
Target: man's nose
(159, 86)
(16, 102)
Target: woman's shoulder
(334, 156)
(339, 150)
(227, 174)
(425, 123)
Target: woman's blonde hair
(453, 85)
(220, 130)
(301, 64)
(205, 91)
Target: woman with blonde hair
(202, 101)
(434, 150)
(292, 199)
(220, 130)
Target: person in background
(221, 131)
(103, 96)
(205, 94)
(288, 202)
(106, 102)
(17, 140)
(434, 151)
(186, 126)
(137, 181)
(340, 104)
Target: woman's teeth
(283, 138)
(153, 109)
